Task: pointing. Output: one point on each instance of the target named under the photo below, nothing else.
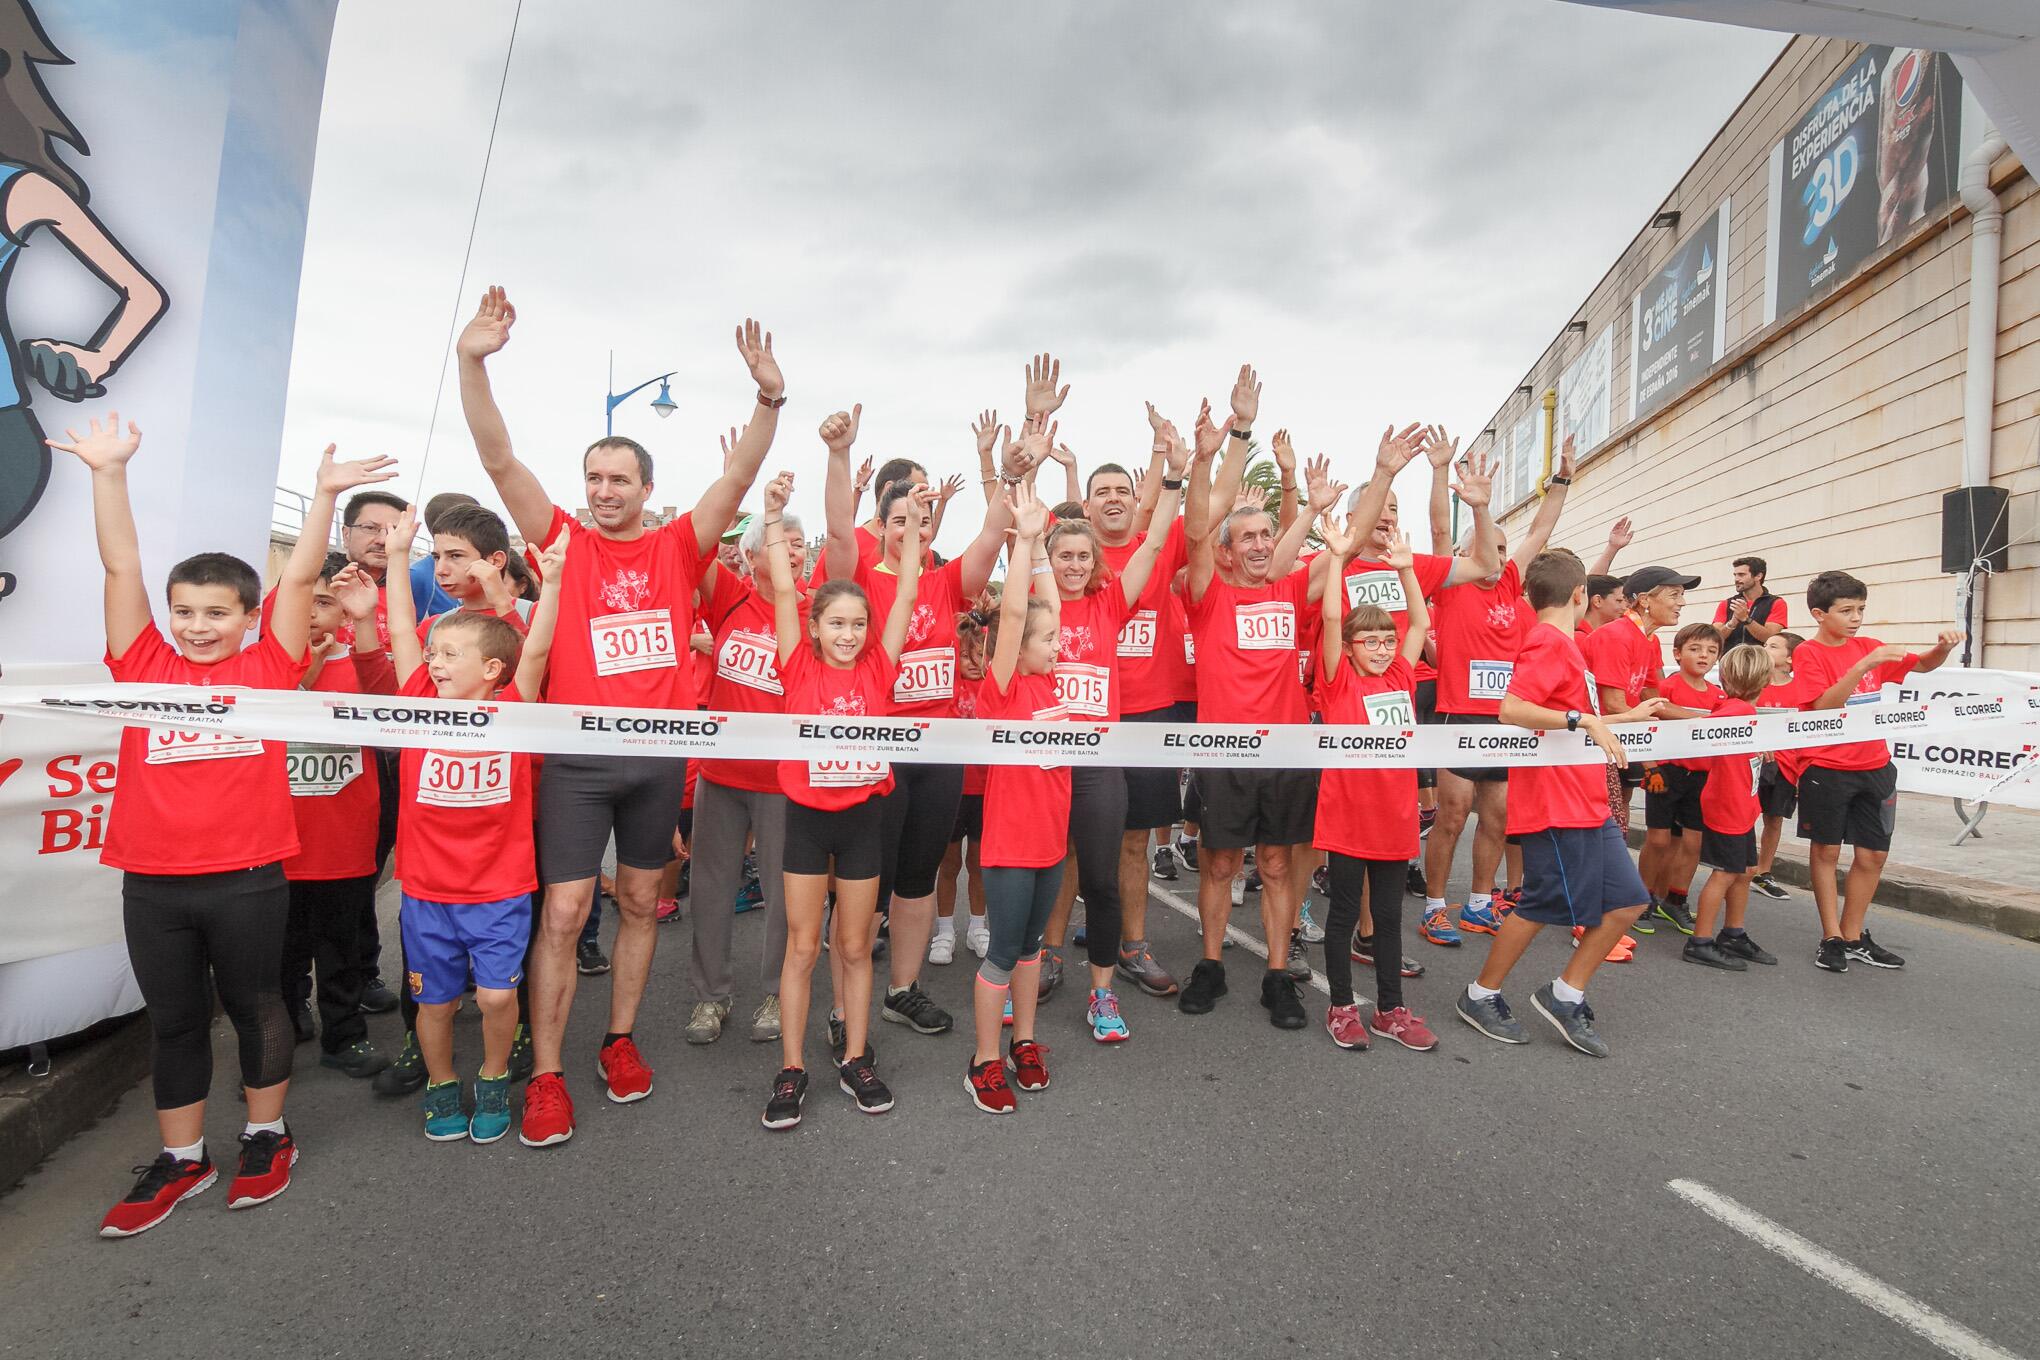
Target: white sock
(1566, 992)
(189, 1153)
(1479, 901)
(1432, 904)
(945, 927)
(251, 1128)
(977, 921)
(1476, 992)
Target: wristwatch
(1176, 485)
(1572, 720)
(1243, 433)
(1558, 481)
(772, 403)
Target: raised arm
(1342, 539)
(1285, 464)
(1208, 503)
(290, 618)
(1538, 535)
(1018, 460)
(718, 505)
(839, 499)
(1475, 489)
(986, 432)
(1133, 578)
(530, 508)
(1440, 453)
(1619, 537)
(943, 495)
(1418, 612)
(105, 450)
(545, 615)
(405, 648)
(1931, 659)
(1073, 485)
(357, 593)
(1324, 494)
(785, 602)
(1837, 694)
(894, 639)
(1030, 518)
(1246, 404)
(1149, 489)
(1391, 455)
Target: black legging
(1097, 822)
(189, 934)
(918, 816)
(1384, 879)
(324, 928)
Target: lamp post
(663, 403)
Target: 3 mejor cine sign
(1678, 322)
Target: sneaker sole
(206, 1183)
(888, 1014)
(1114, 1036)
(250, 1201)
(967, 1086)
(764, 1036)
(492, 1138)
(1872, 963)
(1675, 925)
(1339, 1043)
(529, 1141)
(1559, 1025)
(1475, 928)
(700, 1040)
(462, 1135)
(629, 1098)
(1137, 980)
(1827, 967)
(1724, 967)
(1442, 943)
(1479, 1028)
(1398, 1039)
(1775, 894)
(1207, 1008)
(1768, 961)
(586, 971)
(769, 1123)
(859, 1105)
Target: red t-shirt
(335, 795)
(344, 634)
(1087, 667)
(1783, 698)
(626, 612)
(869, 552)
(1178, 622)
(859, 691)
(1027, 807)
(924, 686)
(1816, 667)
(1369, 814)
(745, 673)
(1378, 583)
(1707, 699)
(1479, 629)
(1551, 673)
(1151, 671)
(1246, 640)
(1728, 801)
(1622, 657)
(200, 802)
(967, 707)
(464, 822)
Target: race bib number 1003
(1488, 679)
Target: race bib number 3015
(447, 779)
(926, 675)
(824, 774)
(1086, 691)
(750, 659)
(1137, 634)
(638, 641)
(1266, 627)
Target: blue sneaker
(1108, 1026)
(1479, 920)
(751, 896)
(492, 1108)
(1438, 928)
(445, 1120)
(1572, 1019)
(1492, 1017)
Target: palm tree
(1264, 476)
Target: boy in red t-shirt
(200, 827)
(1778, 791)
(1729, 809)
(1671, 790)
(465, 857)
(1576, 866)
(471, 561)
(1849, 792)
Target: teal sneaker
(492, 1108)
(445, 1120)
(1108, 1026)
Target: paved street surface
(1215, 1187)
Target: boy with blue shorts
(1576, 866)
(465, 858)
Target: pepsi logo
(1911, 76)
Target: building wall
(1828, 440)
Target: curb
(37, 1114)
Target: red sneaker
(165, 1183)
(1030, 1068)
(266, 1160)
(548, 1111)
(986, 1082)
(623, 1067)
(1408, 1030)
(1343, 1024)
(668, 910)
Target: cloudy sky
(1388, 207)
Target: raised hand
(1476, 481)
(862, 481)
(1043, 373)
(1620, 535)
(355, 590)
(1019, 457)
(1155, 421)
(1399, 554)
(1246, 395)
(839, 431)
(1061, 454)
(729, 445)
(1398, 447)
(1285, 453)
(1340, 537)
(489, 331)
(778, 492)
(1322, 492)
(553, 560)
(1250, 498)
(1210, 438)
(950, 486)
(923, 498)
(403, 534)
(339, 477)
(1175, 453)
(103, 445)
(1565, 464)
(1438, 449)
(1030, 516)
(1948, 639)
(486, 574)
(755, 344)
(986, 431)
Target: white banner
(1993, 765)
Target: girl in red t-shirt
(1367, 818)
(836, 665)
(1730, 805)
(1026, 817)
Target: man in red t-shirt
(626, 613)
(1753, 614)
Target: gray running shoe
(1492, 1017)
(705, 1025)
(1144, 972)
(1051, 973)
(1572, 1019)
(1298, 963)
(765, 1021)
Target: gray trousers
(723, 817)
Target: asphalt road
(1215, 1187)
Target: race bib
(1266, 627)
(638, 641)
(1383, 588)
(447, 779)
(839, 774)
(1593, 693)
(1086, 691)
(319, 771)
(174, 748)
(1189, 650)
(1392, 709)
(1488, 679)
(925, 675)
(1756, 774)
(751, 660)
(1137, 634)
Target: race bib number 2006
(320, 771)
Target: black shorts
(1426, 697)
(1775, 793)
(583, 799)
(970, 819)
(1154, 797)
(1849, 807)
(1573, 876)
(1728, 851)
(846, 840)
(920, 813)
(1677, 809)
(1491, 774)
(1257, 807)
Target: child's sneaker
(1743, 947)
(1479, 920)
(445, 1118)
(1029, 1063)
(1408, 1030)
(1833, 955)
(942, 949)
(1108, 1026)
(1312, 932)
(1769, 887)
(548, 1111)
(522, 1059)
(986, 1082)
(860, 1082)
(1574, 1020)
(1438, 928)
(1344, 1025)
(978, 938)
(491, 1119)
(165, 1183)
(789, 1093)
(668, 910)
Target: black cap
(1646, 579)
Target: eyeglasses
(370, 528)
(1368, 644)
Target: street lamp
(663, 403)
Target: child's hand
(338, 477)
(1595, 728)
(487, 575)
(102, 445)
(355, 590)
(1341, 539)
(1891, 652)
(1399, 554)
(553, 561)
(1030, 516)
(402, 534)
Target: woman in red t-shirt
(1026, 818)
(835, 666)
(1367, 818)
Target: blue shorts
(443, 940)
(1572, 876)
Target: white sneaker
(942, 949)
(1239, 888)
(978, 937)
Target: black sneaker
(1769, 887)
(1206, 986)
(301, 1021)
(1709, 954)
(686, 875)
(1283, 999)
(1679, 915)
(359, 1059)
(1833, 955)
(1644, 924)
(589, 958)
(1867, 950)
(789, 1092)
(405, 1074)
(1165, 864)
(916, 1010)
(1186, 852)
(1743, 947)
(862, 1085)
(377, 998)
(1413, 881)
(839, 1040)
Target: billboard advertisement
(1678, 322)
(1586, 397)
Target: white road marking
(1239, 937)
(1902, 1308)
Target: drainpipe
(1550, 433)
(1979, 385)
